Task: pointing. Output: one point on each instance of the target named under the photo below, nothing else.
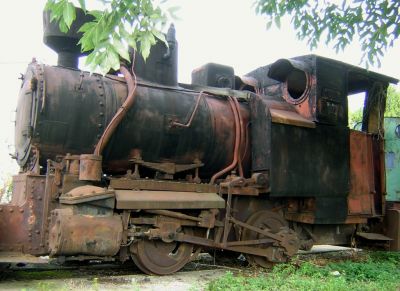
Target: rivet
(100, 125)
(101, 103)
(31, 197)
(41, 245)
(37, 231)
(101, 113)
(21, 210)
(1, 209)
(11, 210)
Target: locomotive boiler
(134, 165)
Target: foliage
(6, 187)
(377, 272)
(355, 118)
(392, 103)
(392, 107)
(120, 24)
(376, 22)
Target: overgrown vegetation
(374, 23)
(374, 271)
(6, 187)
(392, 107)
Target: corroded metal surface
(90, 167)
(23, 223)
(393, 228)
(362, 181)
(131, 199)
(84, 234)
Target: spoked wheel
(161, 258)
(265, 220)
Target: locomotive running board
(131, 199)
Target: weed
(376, 271)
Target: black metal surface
(70, 110)
(260, 134)
(162, 64)
(65, 44)
(214, 75)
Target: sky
(220, 31)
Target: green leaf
(160, 36)
(69, 14)
(63, 26)
(145, 46)
(121, 49)
(278, 22)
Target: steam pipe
(116, 120)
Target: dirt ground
(194, 276)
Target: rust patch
(362, 186)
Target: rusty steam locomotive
(138, 166)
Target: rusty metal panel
(23, 222)
(362, 182)
(130, 199)
(84, 234)
(290, 118)
(147, 184)
(373, 236)
(90, 167)
(392, 155)
(393, 228)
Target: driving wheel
(270, 221)
(162, 258)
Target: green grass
(373, 271)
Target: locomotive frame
(262, 165)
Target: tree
(392, 108)
(131, 22)
(375, 22)
(122, 23)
